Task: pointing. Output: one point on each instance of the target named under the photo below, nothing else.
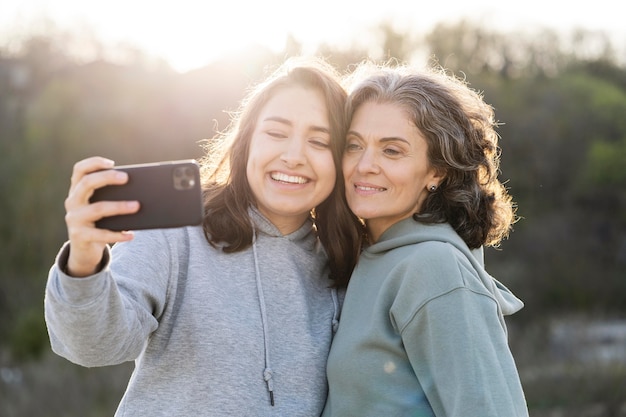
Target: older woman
(422, 330)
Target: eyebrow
(383, 139)
(288, 122)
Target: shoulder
(427, 271)
(431, 260)
(438, 272)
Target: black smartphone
(169, 194)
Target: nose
(293, 154)
(368, 163)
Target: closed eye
(319, 143)
(276, 134)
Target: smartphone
(169, 194)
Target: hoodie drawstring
(333, 293)
(267, 372)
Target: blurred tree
(476, 49)
(606, 165)
(395, 44)
(556, 136)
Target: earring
(432, 188)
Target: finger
(87, 215)
(82, 238)
(113, 208)
(87, 165)
(81, 192)
(115, 237)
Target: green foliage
(29, 338)
(606, 164)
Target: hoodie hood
(410, 232)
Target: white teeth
(279, 176)
(364, 188)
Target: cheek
(417, 186)
(258, 154)
(249, 173)
(250, 167)
(330, 172)
(326, 173)
(253, 181)
(347, 166)
(254, 172)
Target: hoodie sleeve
(455, 341)
(106, 319)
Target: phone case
(169, 194)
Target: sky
(191, 33)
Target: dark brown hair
(227, 193)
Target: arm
(460, 354)
(106, 318)
(92, 318)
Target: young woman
(422, 330)
(234, 317)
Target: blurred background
(142, 82)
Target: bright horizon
(190, 34)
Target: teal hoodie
(422, 332)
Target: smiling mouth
(368, 188)
(288, 179)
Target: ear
(434, 179)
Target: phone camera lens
(184, 178)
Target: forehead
(382, 119)
(296, 104)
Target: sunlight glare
(189, 34)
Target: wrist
(76, 269)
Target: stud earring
(432, 188)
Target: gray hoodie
(211, 334)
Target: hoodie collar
(264, 226)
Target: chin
(364, 214)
